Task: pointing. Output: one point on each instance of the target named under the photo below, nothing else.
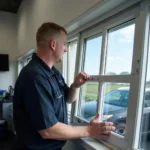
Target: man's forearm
(72, 96)
(61, 131)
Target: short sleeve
(38, 103)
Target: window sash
(138, 83)
(103, 28)
(66, 66)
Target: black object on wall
(4, 62)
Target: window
(23, 62)
(69, 61)
(113, 53)
(20, 66)
(107, 55)
(120, 49)
(89, 92)
(115, 105)
(88, 105)
(107, 97)
(72, 50)
(92, 54)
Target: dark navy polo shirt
(39, 103)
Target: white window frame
(66, 57)
(24, 60)
(66, 66)
(136, 79)
(140, 67)
(20, 66)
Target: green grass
(90, 91)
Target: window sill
(91, 144)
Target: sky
(119, 52)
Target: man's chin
(59, 61)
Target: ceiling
(10, 5)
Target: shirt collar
(46, 69)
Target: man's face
(60, 47)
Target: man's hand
(98, 129)
(80, 79)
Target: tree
(148, 82)
(111, 73)
(124, 73)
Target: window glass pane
(145, 126)
(92, 55)
(120, 50)
(72, 50)
(72, 60)
(115, 106)
(88, 104)
(65, 67)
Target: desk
(7, 112)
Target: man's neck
(46, 57)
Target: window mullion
(65, 67)
(81, 65)
(102, 67)
(77, 70)
(103, 53)
(68, 64)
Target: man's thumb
(97, 117)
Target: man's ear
(52, 44)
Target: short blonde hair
(47, 30)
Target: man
(40, 112)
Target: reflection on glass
(88, 105)
(120, 50)
(115, 98)
(115, 105)
(92, 55)
(145, 126)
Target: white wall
(8, 78)
(32, 13)
(8, 45)
(8, 28)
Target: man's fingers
(101, 128)
(107, 128)
(106, 124)
(105, 132)
(82, 75)
(85, 75)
